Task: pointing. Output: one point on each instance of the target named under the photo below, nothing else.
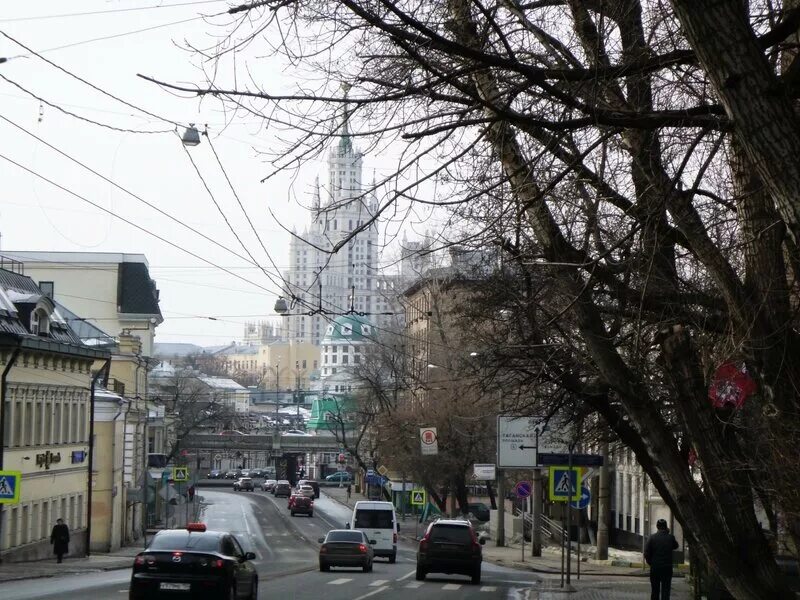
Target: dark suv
(450, 546)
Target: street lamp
(190, 136)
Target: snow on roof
(222, 383)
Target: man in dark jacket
(59, 537)
(658, 554)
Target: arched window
(40, 323)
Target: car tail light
(144, 559)
(394, 537)
(362, 548)
(323, 549)
(217, 564)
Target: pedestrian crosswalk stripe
(378, 582)
(413, 585)
(488, 588)
(451, 586)
(339, 581)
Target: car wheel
(365, 568)
(232, 593)
(393, 557)
(420, 574)
(292, 513)
(324, 567)
(311, 514)
(254, 593)
(476, 577)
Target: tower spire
(345, 142)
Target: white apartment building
(351, 277)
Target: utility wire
(105, 12)
(132, 224)
(79, 117)
(125, 190)
(91, 85)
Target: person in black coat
(59, 537)
(658, 554)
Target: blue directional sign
(10, 484)
(585, 499)
(523, 489)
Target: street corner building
(45, 409)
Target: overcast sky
(34, 215)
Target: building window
(347, 329)
(345, 359)
(40, 324)
(48, 289)
(304, 363)
(333, 359)
(316, 364)
(333, 371)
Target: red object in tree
(730, 386)
(692, 459)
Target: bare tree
(635, 163)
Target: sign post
(523, 490)
(428, 441)
(418, 498)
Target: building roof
(349, 328)
(136, 292)
(223, 383)
(167, 349)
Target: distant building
(346, 341)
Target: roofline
(48, 257)
(31, 342)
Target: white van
(379, 522)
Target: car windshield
(374, 519)
(345, 536)
(184, 540)
(454, 534)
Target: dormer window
(40, 322)
(347, 329)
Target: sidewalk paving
(617, 579)
(97, 562)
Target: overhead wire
(131, 223)
(106, 12)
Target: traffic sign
(553, 459)
(523, 489)
(383, 470)
(564, 484)
(180, 473)
(585, 499)
(418, 497)
(516, 441)
(370, 472)
(10, 484)
(484, 472)
(428, 441)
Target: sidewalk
(620, 578)
(119, 559)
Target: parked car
(479, 510)
(232, 475)
(208, 562)
(256, 473)
(302, 505)
(282, 488)
(450, 546)
(244, 484)
(215, 474)
(313, 484)
(339, 476)
(268, 484)
(345, 548)
(245, 473)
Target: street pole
(602, 504)
(536, 525)
(569, 517)
(501, 509)
(403, 498)
(277, 393)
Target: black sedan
(194, 563)
(346, 548)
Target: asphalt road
(286, 550)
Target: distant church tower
(338, 208)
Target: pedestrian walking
(658, 554)
(59, 537)
(349, 491)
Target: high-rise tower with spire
(350, 277)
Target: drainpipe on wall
(89, 487)
(3, 395)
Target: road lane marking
(451, 586)
(378, 582)
(372, 593)
(413, 585)
(339, 581)
(406, 576)
(488, 588)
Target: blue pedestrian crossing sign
(565, 484)
(10, 484)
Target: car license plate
(184, 587)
